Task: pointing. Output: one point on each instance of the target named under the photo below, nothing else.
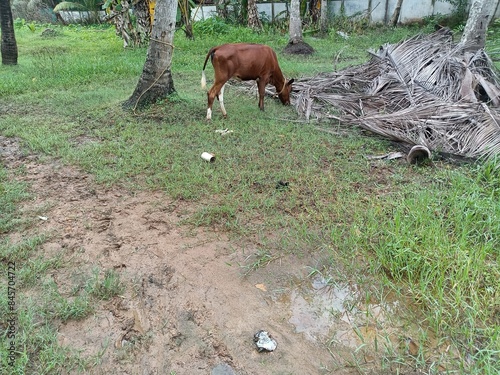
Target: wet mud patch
(186, 304)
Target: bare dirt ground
(188, 307)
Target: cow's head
(284, 94)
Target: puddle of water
(342, 317)
(332, 312)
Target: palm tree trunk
(315, 10)
(143, 20)
(156, 81)
(221, 7)
(295, 28)
(480, 14)
(253, 16)
(397, 12)
(8, 45)
(323, 23)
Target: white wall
(209, 10)
(382, 10)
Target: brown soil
(188, 307)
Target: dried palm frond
(426, 90)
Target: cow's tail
(203, 77)
(203, 80)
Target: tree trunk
(397, 12)
(243, 16)
(221, 7)
(315, 10)
(495, 11)
(386, 11)
(8, 46)
(143, 17)
(323, 23)
(156, 80)
(185, 9)
(480, 14)
(253, 16)
(295, 28)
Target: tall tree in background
(323, 18)
(253, 16)
(315, 10)
(397, 12)
(8, 45)
(296, 44)
(156, 81)
(221, 7)
(480, 14)
(295, 28)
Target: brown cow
(245, 62)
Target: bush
(211, 26)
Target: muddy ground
(189, 304)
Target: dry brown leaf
(261, 287)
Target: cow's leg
(221, 101)
(261, 84)
(211, 94)
(209, 106)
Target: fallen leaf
(369, 358)
(412, 347)
(261, 287)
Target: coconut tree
(323, 18)
(295, 28)
(221, 7)
(296, 44)
(156, 81)
(185, 10)
(397, 12)
(8, 44)
(480, 14)
(253, 16)
(315, 10)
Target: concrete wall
(382, 10)
(70, 16)
(271, 10)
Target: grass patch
(11, 194)
(430, 232)
(38, 305)
(441, 243)
(33, 305)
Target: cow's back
(245, 61)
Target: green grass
(11, 194)
(430, 234)
(39, 306)
(442, 243)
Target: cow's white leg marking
(221, 101)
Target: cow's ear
(290, 82)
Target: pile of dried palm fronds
(426, 90)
